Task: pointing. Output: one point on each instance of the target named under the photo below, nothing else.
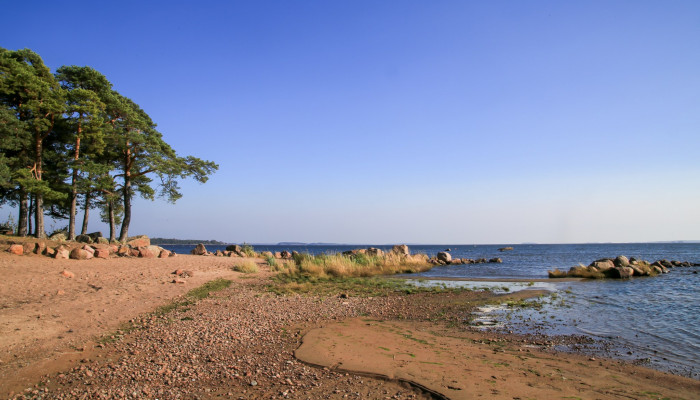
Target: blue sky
(404, 121)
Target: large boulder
(401, 250)
(16, 249)
(145, 252)
(620, 273)
(199, 250)
(234, 247)
(101, 253)
(286, 254)
(58, 237)
(496, 260)
(622, 261)
(374, 252)
(61, 253)
(138, 241)
(444, 257)
(155, 250)
(80, 254)
(84, 239)
(164, 253)
(505, 249)
(95, 236)
(603, 265)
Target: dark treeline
(68, 141)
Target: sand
(246, 342)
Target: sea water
(655, 319)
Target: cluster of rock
(620, 267)
(445, 258)
(235, 250)
(137, 246)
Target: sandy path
(48, 320)
(461, 365)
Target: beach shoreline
(242, 335)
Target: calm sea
(655, 320)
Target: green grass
(248, 250)
(188, 299)
(285, 283)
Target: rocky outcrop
(199, 250)
(506, 249)
(138, 241)
(16, 249)
(444, 257)
(401, 250)
(620, 267)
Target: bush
(248, 250)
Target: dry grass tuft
(359, 265)
(246, 267)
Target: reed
(359, 265)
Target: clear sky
(403, 121)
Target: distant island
(160, 241)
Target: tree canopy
(68, 138)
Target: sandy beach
(64, 337)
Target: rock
(95, 236)
(179, 281)
(84, 239)
(278, 254)
(79, 254)
(164, 254)
(133, 252)
(28, 248)
(219, 253)
(286, 254)
(199, 250)
(101, 253)
(16, 249)
(455, 261)
(67, 274)
(374, 252)
(102, 240)
(444, 257)
(266, 254)
(603, 265)
(155, 250)
(61, 252)
(621, 272)
(138, 241)
(234, 247)
(145, 252)
(233, 254)
(467, 261)
(48, 251)
(496, 260)
(621, 261)
(89, 249)
(479, 261)
(123, 251)
(401, 250)
(59, 237)
(505, 249)
(39, 247)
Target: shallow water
(657, 319)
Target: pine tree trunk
(23, 219)
(29, 215)
(86, 214)
(112, 226)
(39, 201)
(124, 233)
(74, 190)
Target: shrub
(248, 250)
